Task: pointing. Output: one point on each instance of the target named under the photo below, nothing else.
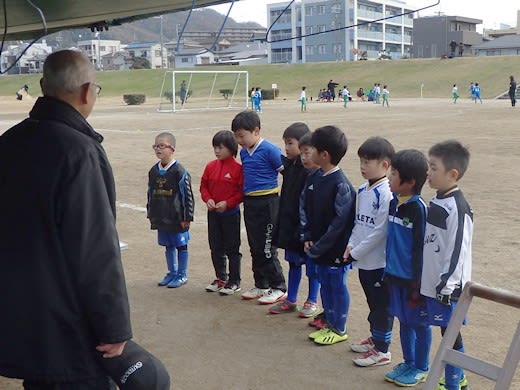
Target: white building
(30, 62)
(150, 51)
(95, 49)
(319, 30)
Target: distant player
(476, 93)
(303, 100)
(454, 93)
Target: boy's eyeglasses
(98, 88)
(161, 146)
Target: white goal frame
(188, 74)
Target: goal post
(185, 90)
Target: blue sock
(453, 375)
(314, 282)
(183, 263)
(171, 259)
(407, 334)
(341, 298)
(326, 294)
(314, 288)
(295, 275)
(423, 343)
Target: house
(507, 30)
(30, 62)
(250, 53)
(155, 53)
(505, 45)
(432, 35)
(115, 61)
(187, 58)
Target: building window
(309, 11)
(335, 9)
(184, 60)
(131, 53)
(281, 55)
(285, 18)
(308, 30)
(322, 28)
(321, 9)
(309, 50)
(322, 49)
(157, 53)
(337, 48)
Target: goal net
(203, 90)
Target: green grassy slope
(404, 77)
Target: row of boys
(386, 231)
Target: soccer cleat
(216, 285)
(463, 384)
(254, 293)
(308, 310)
(319, 321)
(318, 333)
(373, 358)
(271, 296)
(411, 378)
(167, 279)
(397, 371)
(179, 280)
(330, 337)
(229, 289)
(363, 346)
(283, 307)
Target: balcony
(393, 37)
(372, 15)
(364, 34)
(395, 20)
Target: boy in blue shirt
(261, 162)
(404, 258)
(327, 209)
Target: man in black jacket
(64, 300)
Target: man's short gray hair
(66, 71)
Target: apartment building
(315, 30)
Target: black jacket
(61, 279)
(170, 198)
(287, 234)
(327, 211)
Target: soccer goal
(203, 90)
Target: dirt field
(211, 342)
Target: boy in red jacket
(221, 189)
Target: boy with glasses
(170, 209)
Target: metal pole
(162, 47)
(99, 51)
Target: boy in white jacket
(366, 248)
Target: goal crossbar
(215, 90)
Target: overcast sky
(491, 12)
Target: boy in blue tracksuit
(327, 209)
(404, 258)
